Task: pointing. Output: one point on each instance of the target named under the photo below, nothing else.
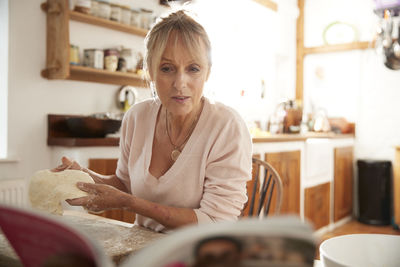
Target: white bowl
(361, 250)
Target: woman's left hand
(101, 197)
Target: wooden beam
(57, 39)
(268, 3)
(300, 52)
(338, 47)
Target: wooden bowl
(89, 127)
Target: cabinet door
(316, 204)
(287, 164)
(108, 167)
(343, 183)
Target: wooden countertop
(114, 141)
(118, 239)
(298, 137)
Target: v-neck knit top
(210, 174)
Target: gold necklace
(177, 148)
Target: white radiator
(13, 192)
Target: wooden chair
(270, 192)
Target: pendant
(175, 154)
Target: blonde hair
(184, 27)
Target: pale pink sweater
(210, 174)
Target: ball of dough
(47, 189)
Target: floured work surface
(118, 239)
(8, 257)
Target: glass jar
(94, 9)
(104, 10)
(126, 53)
(146, 17)
(111, 59)
(93, 58)
(126, 15)
(73, 54)
(83, 6)
(135, 17)
(115, 12)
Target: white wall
(355, 84)
(31, 97)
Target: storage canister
(73, 54)
(135, 17)
(83, 6)
(104, 10)
(126, 53)
(111, 59)
(146, 17)
(93, 58)
(94, 9)
(115, 12)
(126, 15)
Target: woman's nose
(180, 80)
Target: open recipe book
(41, 240)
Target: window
(3, 76)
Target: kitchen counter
(298, 137)
(114, 141)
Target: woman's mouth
(180, 99)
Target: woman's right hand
(67, 164)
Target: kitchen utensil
(126, 97)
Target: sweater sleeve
(228, 169)
(122, 171)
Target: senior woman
(184, 159)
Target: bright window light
(243, 52)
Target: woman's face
(180, 77)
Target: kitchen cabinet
(317, 204)
(108, 167)
(317, 175)
(287, 164)
(343, 183)
(57, 51)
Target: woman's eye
(194, 69)
(166, 69)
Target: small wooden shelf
(59, 135)
(338, 47)
(72, 142)
(79, 73)
(58, 46)
(89, 19)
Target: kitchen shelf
(59, 135)
(338, 47)
(89, 19)
(80, 73)
(82, 142)
(58, 46)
